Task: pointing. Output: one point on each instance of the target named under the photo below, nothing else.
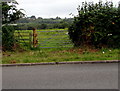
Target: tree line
(43, 23)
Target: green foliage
(10, 14)
(41, 23)
(43, 26)
(8, 37)
(96, 25)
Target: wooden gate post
(30, 39)
(35, 41)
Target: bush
(8, 39)
(96, 25)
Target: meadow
(55, 46)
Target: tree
(96, 25)
(57, 18)
(33, 17)
(39, 18)
(43, 26)
(10, 14)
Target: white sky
(52, 8)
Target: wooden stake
(35, 42)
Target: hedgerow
(97, 24)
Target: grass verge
(59, 55)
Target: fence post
(30, 39)
(35, 41)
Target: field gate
(44, 39)
(27, 37)
(53, 39)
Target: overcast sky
(52, 8)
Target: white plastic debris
(109, 34)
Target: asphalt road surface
(67, 76)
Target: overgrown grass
(60, 55)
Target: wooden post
(35, 41)
(30, 39)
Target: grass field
(59, 53)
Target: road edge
(56, 63)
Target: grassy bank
(60, 55)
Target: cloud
(51, 8)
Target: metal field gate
(53, 39)
(24, 37)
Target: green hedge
(96, 25)
(8, 39)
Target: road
(66, 76)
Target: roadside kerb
(55, 63)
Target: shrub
(10, 14)
(96, 25)
(8, 39)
